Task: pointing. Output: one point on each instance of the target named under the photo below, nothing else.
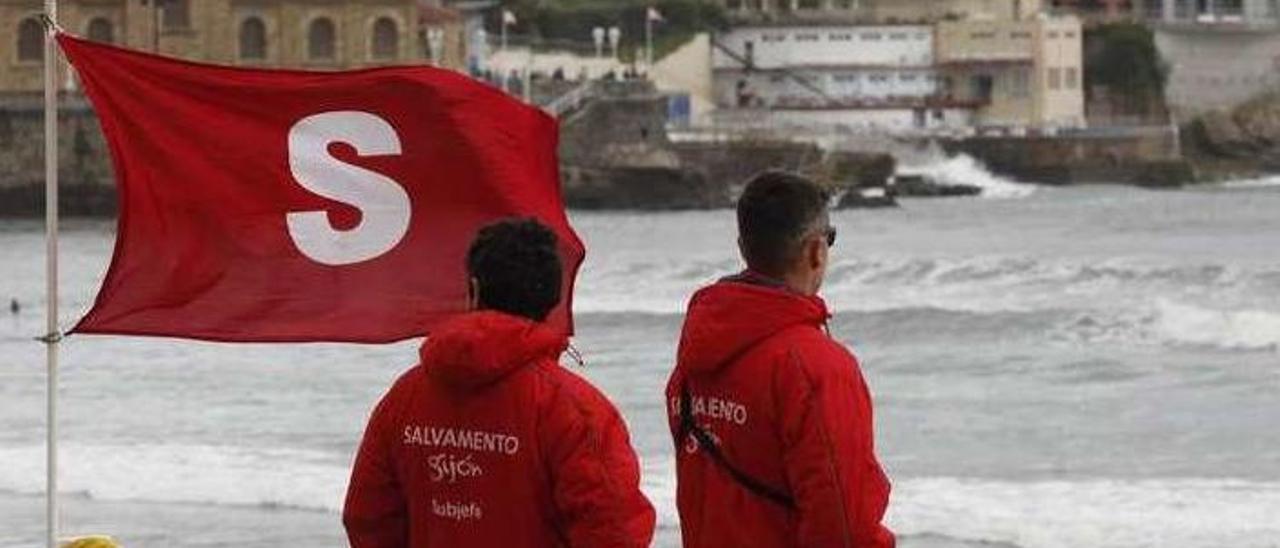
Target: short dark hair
(776, 211)
(517, 269)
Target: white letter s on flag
(384, 205)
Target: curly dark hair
(517, 269)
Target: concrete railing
(571, 101)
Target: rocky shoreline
(616, 153)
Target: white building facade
(860, 76)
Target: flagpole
(52, 336)
(648, 40)
(503, 49)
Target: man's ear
(815, 252)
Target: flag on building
(261, 205)
(654, 15)
(508, 18)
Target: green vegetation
(1123, 57)
(571, 21)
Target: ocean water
(1091, 366)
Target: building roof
(429, 13)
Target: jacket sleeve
(595, 476)
(828, 450)
(375, 513)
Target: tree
(1123, 57)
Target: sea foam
(197, 474)
(963, 169)
(1185, 512)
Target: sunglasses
(831, 236)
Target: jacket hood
(479, 348)
(726, 319)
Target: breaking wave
(196, 474)
(1269, 181)
(1183, 324)
(1189, 513)
(1184, 512)
(963, 169)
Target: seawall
(84, 166)
(1139, 156)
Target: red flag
(271, 205)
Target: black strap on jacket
(709, 446)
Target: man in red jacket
(770, 414)
(488, 442)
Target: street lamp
(435, 41)
(597, 36)
(615, 36)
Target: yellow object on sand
(95, 541)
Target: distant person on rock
(489, 442)
(770, 415)
(14, 307)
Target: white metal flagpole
(52, 335)
(648, 40)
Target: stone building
(1002, 65)
(306, 34)
(1220, 53)
(883, 11)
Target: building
(1219, 52)
(308, 34)
(1021, 73)
(860, 76)
(888, 11)
(1094, 12)
(1002, 65)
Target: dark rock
(641, 188)
(866, 198)
(1170, 174)
(861, 170)
(1223, 136)
(920, 186)
(731, 164)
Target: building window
(30, 40)
(253, 39)
(1020, 35)
(174, 14)
(806, 37)
(981, 86)
(320, 39)
(982, 35)
(386, 39)
(840, 37)
(911, 78)
(101, 30)
(1073, 78)
(1053, 34)
(898, 36)
(871, 36)
(1055, 78)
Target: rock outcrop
(1244, 141)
